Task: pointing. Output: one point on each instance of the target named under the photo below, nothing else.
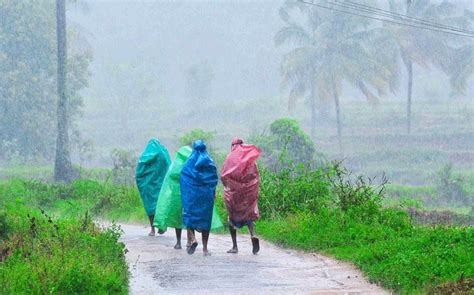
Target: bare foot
(177, 246)
(233, 251)
(152, 233)
(206, 253)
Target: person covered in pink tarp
(241, 184)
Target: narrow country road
(157, 268)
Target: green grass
(389, 250)
(323, 210)
(40, 254)
(113, 202)
(49, 243)
(331, 211)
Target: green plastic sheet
(151, 170)
(169, 209)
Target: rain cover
(169, 207)
(241, 182)
(151, 169)
(198, 188)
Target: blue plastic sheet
(198, 187)
(151, 170)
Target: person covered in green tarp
(169, 207)
(151, 170)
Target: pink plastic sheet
(241, 182)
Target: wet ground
(157, 268)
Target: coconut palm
(329, 48)
(428, 48)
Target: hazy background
(162, 68)
(143, 49)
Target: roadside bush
(287, 145)
(101, 199)
(292, 190)
(42, 255)
(331, 211)
(357, 195)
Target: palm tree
(332, 48)
(422, 47)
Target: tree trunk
(409, 65)
(62, 165)
(313, 112)
(338, 119)
(338, 115)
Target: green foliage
(100, 199)
(42, 255)
(358, 193)
(195, 134)
(289, 191)
(28, 87)
(328, 210)
(388, 249)
(287, 145)
(450, 187)
(3, 224)
(450, 191)
(208, 137)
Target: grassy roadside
(317, 210)
(329, 211)
(389, 250)
(48, 244)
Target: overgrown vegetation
(328, 211)
(41, 254)
(312, 207)
(286, 144)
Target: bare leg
(190, 237)
(178, 238)
(192, 241)
(252, 231)
(205, 238)
(151, 218)
(233, 234)
(255, 240)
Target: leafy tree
(286, 145)
(28, 88)
(332, 48)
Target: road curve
(157, 268)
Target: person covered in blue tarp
(150, 173)
(198, 189)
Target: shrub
(287, 145)
(195, 134)
(44, 255)
(292, 190)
